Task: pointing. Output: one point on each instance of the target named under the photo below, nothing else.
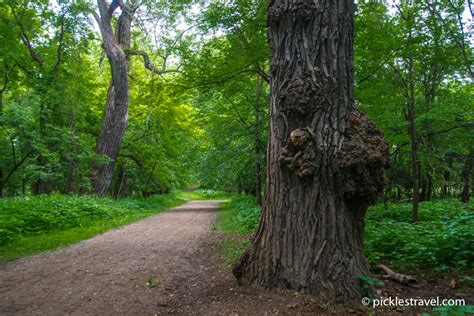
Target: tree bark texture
(325, 160)
(115, 118)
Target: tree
(228, 74)
(117, 47)
(325, 161)
(116, 43)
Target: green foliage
(151, 283)
(240, 215)
(442, 239)
(237, 219)
(204, 194)
(451, 311)
(32, 224)
(368, 283)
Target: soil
(165, 264)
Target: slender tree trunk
(414, 140)
(466, 178)
(321, 175)
(42, 186)
(423, 191)
(115, 118)
(429, 191)
(446, 179)
(73, 151)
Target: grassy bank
(237, 221)
(29, 225)
(443, 239)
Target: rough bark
(115, 118)
(325, 160)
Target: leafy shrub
(451, 311)
(242, 215)
(442, 239)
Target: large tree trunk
(116, 109)
(325, 160)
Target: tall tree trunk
(446, 179)
(321, 175)
(6, 79)
(466, 178)
(114, 124)
(414, 140)
(429, 191)
(41, 185)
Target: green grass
(29, 225)
(236, 221)
(204, 194)
(442, 240)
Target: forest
(332, 140)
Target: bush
(442, 239)
(241, 215)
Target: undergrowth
(443, 239)
(32, 224)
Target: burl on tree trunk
(326, 160)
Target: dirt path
(108, 274)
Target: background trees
(208, 122)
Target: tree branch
(15, 167)
(6, 78)
(149, 65)
(60, 44)
(434, 133)
(373, 72)
(25, 39)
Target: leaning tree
(116, 37)
(326, 160)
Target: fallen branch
(398, 277)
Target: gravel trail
(108, 274)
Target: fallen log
(398, 277)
